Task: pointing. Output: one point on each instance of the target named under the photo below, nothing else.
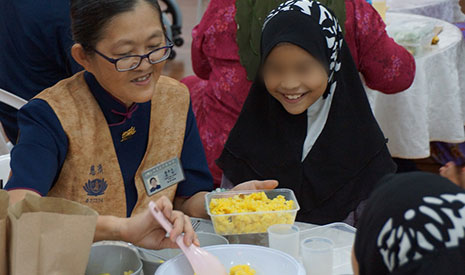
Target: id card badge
(162, 176)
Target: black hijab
(350, 153)
(414, 223)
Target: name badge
(162, 176)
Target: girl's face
(294, 77)
(135, 32)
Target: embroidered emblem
(100, 169)
(95, 187)
(92, 170)
(128, 134)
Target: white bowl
(264, 260)
(152, 259)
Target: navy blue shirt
(42, 146)
(35, 44)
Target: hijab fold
(349, 152)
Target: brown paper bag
(4, 200)
(50, 236)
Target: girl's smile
(294, 98)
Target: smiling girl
(307, 122)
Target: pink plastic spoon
(202, 262)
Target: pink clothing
(220, 86)
(385, 66)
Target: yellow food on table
(250, 223)
(435, 40)
(242, 270)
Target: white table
(433, 108)
(447, 10)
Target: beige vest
(91, 162)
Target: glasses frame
(169, 46)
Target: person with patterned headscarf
(225, 58)
(413, 223)
(307, 122)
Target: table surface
(402, 4)
(432, 109)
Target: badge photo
(153, 185)
(162, 176)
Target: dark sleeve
(194, 162)
(41, 149)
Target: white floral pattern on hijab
(403, 244)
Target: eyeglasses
(130, 62)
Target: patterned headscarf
(329, 56)
(414, 223)
(330, 28)
(250, 15)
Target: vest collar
(116, 112)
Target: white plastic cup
(317, 255)
(284, 237)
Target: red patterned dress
(220, 85)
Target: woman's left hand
(256, 185)
(144, 231)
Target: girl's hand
(256, 185)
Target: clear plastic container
(343, 236)
(251, 222)
(416, 37)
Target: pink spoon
(202, 262)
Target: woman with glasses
(98, 137)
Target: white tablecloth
(447, 10)
(433, 108)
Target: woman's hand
(256, 185)
(144, 231)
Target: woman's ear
(81, 57)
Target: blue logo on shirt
(95, 187)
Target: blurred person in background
(35, 51)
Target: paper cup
(317, 255)
(284, 237)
